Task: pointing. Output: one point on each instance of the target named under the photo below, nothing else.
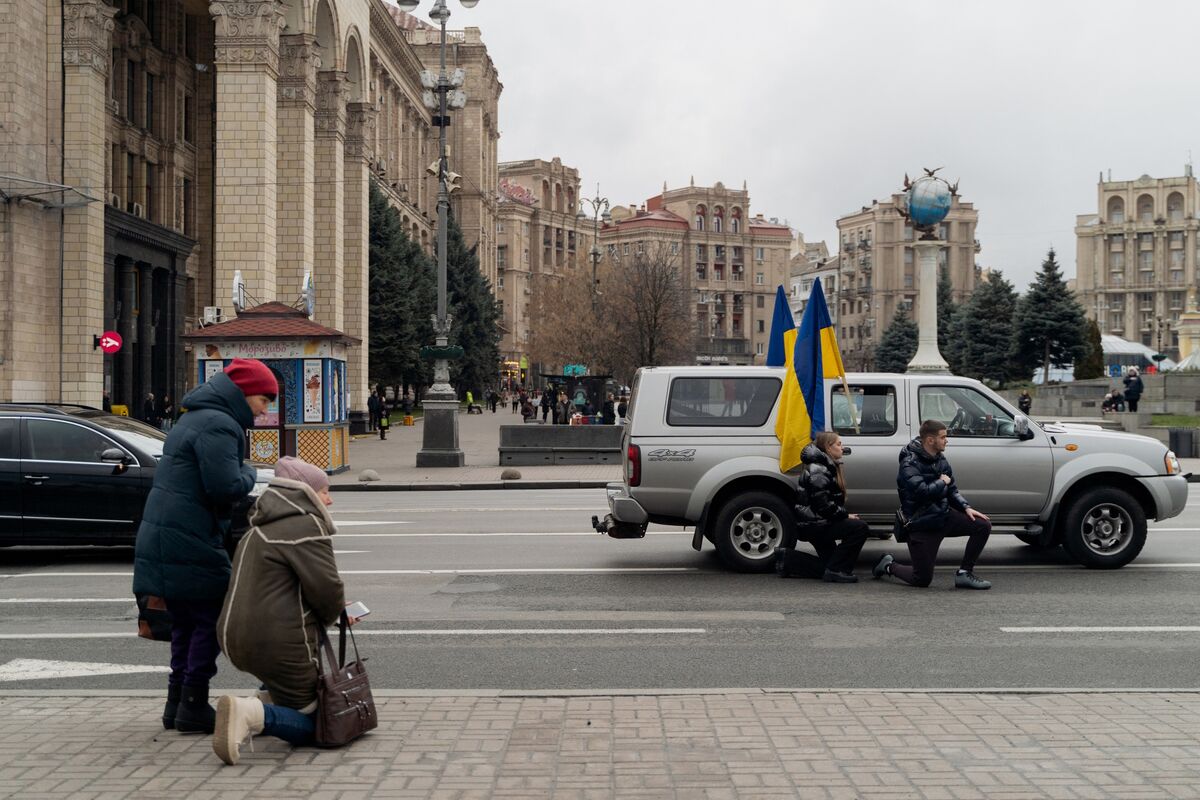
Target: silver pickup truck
(699, 449)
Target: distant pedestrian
(1133, 388)
(149, 410)
(564, 408)
(166, 413)
(288, 584)
(527, 411)
(106, 402)
(608, 411)
(180, 553)
(547, 402)
(374, 410)
(515, 399)
(1025, 402)
(623, 406)
(935, 510)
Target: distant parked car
(76, 475)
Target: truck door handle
(37, 477)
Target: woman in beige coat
(284, 591)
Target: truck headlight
(1171, 463)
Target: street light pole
(439, 443)
(599, 212)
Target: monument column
(87, 33)
(247, 65)
(329, 153)
(928, 357)
(298, 65)
(360, 134)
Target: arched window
(735, 220)
(570, 199)
(1116, 210)
(1175, 207)
(1145, 208)
(716, 224)
(718, 219)
(558, 206)
(701, 215)
(546, 195)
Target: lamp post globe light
(600, 213)
(439, 442)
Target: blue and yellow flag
(811, 356)
(781, 323)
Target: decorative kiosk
(309, 419)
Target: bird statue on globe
(927, 201)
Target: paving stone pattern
(879, 745)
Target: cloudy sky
(822, 105)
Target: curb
(376, 486)
(648, 692)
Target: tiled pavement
(736, 744)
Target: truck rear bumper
(626, 518)
(1170, 493)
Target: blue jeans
(289, 724)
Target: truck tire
(749, 528)
(1105, 528)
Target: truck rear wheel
(1105, 528)
(749, 528)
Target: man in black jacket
(935, 510)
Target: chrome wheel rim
(756, 532)
(1107, 529)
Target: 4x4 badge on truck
(665, 454)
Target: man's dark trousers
(923, 546)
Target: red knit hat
(253, 377)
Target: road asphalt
(517, 654)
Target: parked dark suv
(76, 475)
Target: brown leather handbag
(154, 620)
(345, 707)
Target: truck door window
(722, 402)
(965, 412)
(874, 408)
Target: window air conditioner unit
(212, 315)
(114, 200)
(138, 210)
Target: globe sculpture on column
(926, 202)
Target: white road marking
(360, 523)
(481, 571)
(1107, 629)
(39, 600)
(395, 632)
(348, 552)
(591, 534)
(594, 508)
(32, 669)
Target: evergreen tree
(984, 332)
(402, 298)
(1092, 365)
(476, 317)
(1049, 323)
(898, 344)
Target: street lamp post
(600, 213)
(439, 443)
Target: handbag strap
(325, 645)
(343, 628)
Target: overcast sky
(822, 105)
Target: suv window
(731, 402)
(8, 438)
(874, 408)
(965, 411)
(50, 440)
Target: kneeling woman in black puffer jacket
(823, 522)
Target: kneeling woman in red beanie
(180, 553)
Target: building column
(123, 392)
(87, 32)
(298, 65)
(247, 62)
(329, 153)
(360, 134)
(145, 332)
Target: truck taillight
(1171, 463)
(633, 465)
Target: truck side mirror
(1021, 426)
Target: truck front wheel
(1105, 528)
(749, 528)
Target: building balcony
(850, 247)
(722, 346)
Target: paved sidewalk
(479, 437)
(735, 744)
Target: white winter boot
(237, 719)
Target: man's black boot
(195, 715)
(174, 694)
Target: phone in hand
(357, 610)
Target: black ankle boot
(195, 715)
(174, 694)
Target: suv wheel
(1104, 529)
(749, 528)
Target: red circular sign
(110, 342)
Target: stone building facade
(539, 237)
(878, 271)
(1136, 258)
(203, 140)
(731, 261)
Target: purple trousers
(194, 647)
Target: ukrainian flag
(811, 355)
(781, 324)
